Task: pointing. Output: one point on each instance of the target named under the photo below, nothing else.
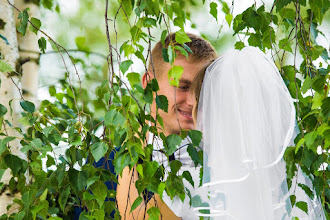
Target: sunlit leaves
(133, 78)
(214, 10)
(5, 67)
(35, 25)
(125, 65)
(175, 74)
(136, 203)
(48, 4)
(24, 18)
(153, 213)
(181, 37)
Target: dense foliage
(92, 124)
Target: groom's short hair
(201, 49)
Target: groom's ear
(146, 78)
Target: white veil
(247, 118)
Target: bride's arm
(127, 193)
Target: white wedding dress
(247, 118)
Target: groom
(178, 117)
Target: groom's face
(180, 99)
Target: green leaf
(165, 55)
(5, 67)
(78, 179)
(175, 72)
(151, 168)
(182, 50)
(281, 4)
(252, 18)
(63, 197)
(114, 118)
(175, 166)
(136, 203)
(2, 171)
(162, 102)
(133, 78)
(27, 106)
(98, 150)
(239, 45)
(307, 84)
(24, 18)
(47, 4)
(99, 189)
(80, 42)
(42, 44)
(36, 144)
(99, 214)
(214, 10)
(161, 188)
(163, 37)
(195, 136)
(181, 37)
(4, 142)
(14, 163)
(153, 213)
(302, 205)
(139, 169)
(285, 44)
(28, 197)
(229, 19)
(186, 174)
(256, 41)
(170, 54)
(125, 65)
(194, 154)
(37, 23)
(3, 110)
(154, 85)
(307, 190)
(172, 141)
(187, 48)
(326, 108)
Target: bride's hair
(196, 87)
(201, 50)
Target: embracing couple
(245, 112)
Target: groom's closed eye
(184, 85)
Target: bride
(247, 118)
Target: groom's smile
(180, 100)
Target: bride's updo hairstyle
(201, 49)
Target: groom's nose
(190, 99)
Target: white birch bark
(8, 90)
(29, 43)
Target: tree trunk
(30, 61)
(28, 83)
(8, 90)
